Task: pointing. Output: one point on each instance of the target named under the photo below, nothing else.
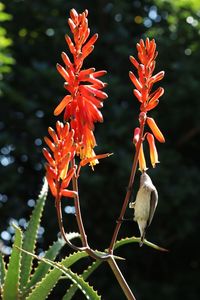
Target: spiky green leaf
(2, 273)
(42, 267)
(73, 288)
(30, 235)
(2, 269)
(45, 286)
(51, 254)
(11, 283)
(134, 239)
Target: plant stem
(61, 227)
(92, 253)
(120, 278)
(87, 248)
(102, 257)
(78, 210)
(130, 186)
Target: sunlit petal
(142, 161)
(153, 150)
(156, 131)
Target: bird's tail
(142, 238)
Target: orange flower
(149, 99)
(81, 106)
(153, 150)
(145, 67)
(136, 135)
(58, 171)
(156, 131)
(141, 159)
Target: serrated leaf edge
(4, 269)
(134, 239)
(42, 195)
(86, 273)
(18, 286)
(67, 272)
(29, 287)
(71, 235)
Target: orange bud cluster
(144, 83)
(145, 66)
(81, 106)
(58, 171)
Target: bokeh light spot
(22, 32)
(138, 19)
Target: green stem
(120, 278)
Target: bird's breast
(142, 204)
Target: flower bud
(136, 135)
(156, 131)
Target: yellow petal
(142, 161)
(91, 159)
(153, 150)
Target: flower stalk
(78, 210)
(130, 186)
(75, 136)
(148, 100)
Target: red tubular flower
(81, 106)
(136, 135)
(148, 99)
(58, 171)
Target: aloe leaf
(86, 289)
(42, 267)
(45, 286)
(51, 254)
(11, 283)
(134, 239)
(2, 269)
(73, 288)
(42, 290)
(30, 235)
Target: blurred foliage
(30, 94)
(5, 59)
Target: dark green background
(31, 90)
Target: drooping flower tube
(153, 150)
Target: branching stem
(130, 186)
(105, 256)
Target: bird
(145, 204)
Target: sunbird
(145, 204)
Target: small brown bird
(145, 204)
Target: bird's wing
(153, 204)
